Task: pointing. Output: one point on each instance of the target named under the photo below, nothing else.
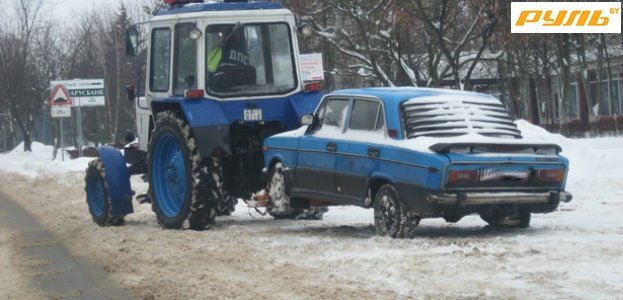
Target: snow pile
(595, 158)
(40, 161)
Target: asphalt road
(61, 275)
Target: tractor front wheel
(98, 199)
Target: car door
(317, 148)
(358, 151)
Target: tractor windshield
(249, 59)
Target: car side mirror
(307, 119)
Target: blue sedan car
(413, 153)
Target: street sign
(59, 97)
(84, 92)
(61, 111)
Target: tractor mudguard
(118, 179)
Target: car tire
(278, 192)
(408, 225)
(226, 206)
(97, 196)
(387, 211)
(503, 219)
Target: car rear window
(455, 115)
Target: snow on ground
(573, 253)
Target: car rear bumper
(464, 199)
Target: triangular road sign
(60, 96)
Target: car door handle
(331, 147)
(373, 152)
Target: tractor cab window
(185, 60)
(160, 60)
(249, 59)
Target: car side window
(367, 115)
(331, 115)
(364, 115)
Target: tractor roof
(219, 6)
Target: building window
(615, 94)
(599, 91)
(609, 94)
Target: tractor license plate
(252, 114)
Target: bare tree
(455, 36)
(416, 42)
(365, 34)
(19, 90)
(102, 56)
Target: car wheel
(387, 211)
(98, 199)
(277, 193)
(226, 206)
(500, 218)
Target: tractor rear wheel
(178, 177)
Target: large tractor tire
(277, 193)
(98, 199)
(182, 185)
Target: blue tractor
(220, 78)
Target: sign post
(60, 106)
(87, 92)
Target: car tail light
(313, 86)
(193, 94)
(462, 176)
(548, 175)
